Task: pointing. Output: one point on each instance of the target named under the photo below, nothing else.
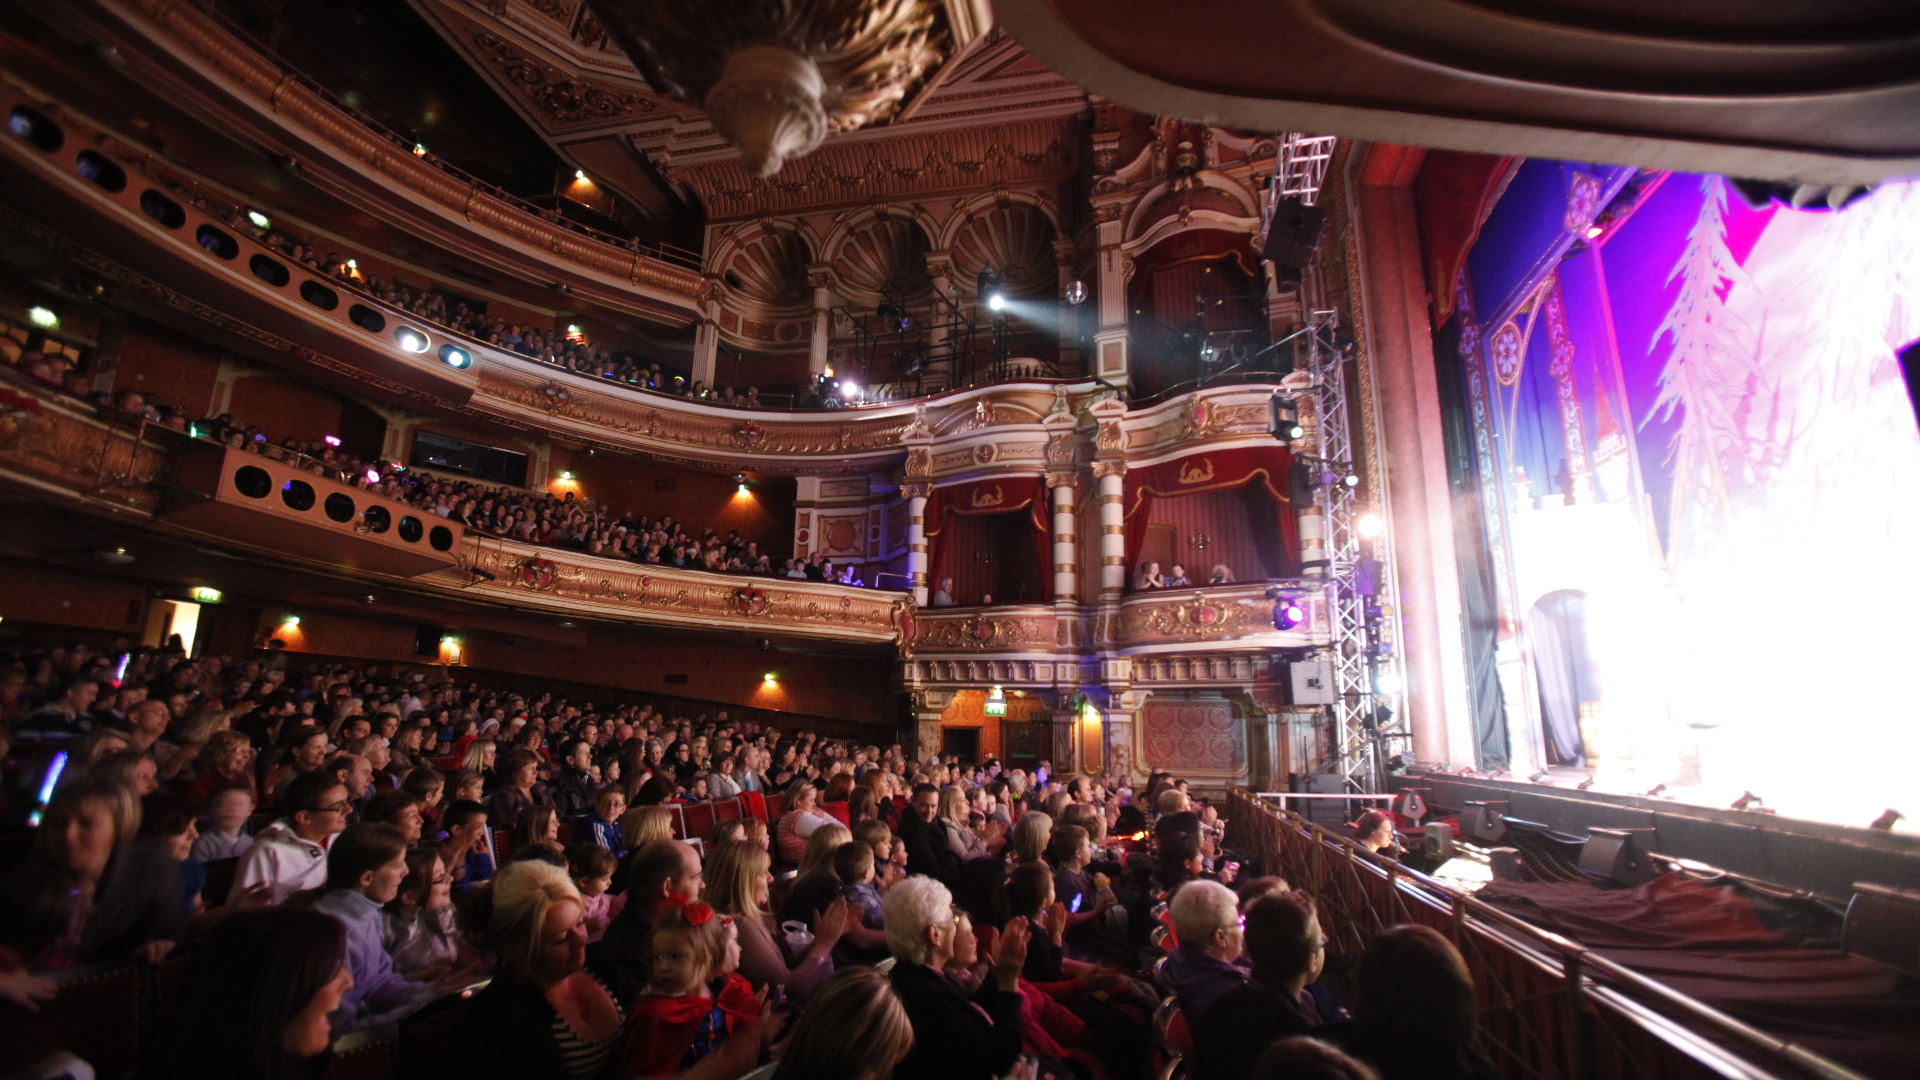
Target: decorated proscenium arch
(1674, 401)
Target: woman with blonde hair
(799, 820)
(818, 854)
(642, 825)
(545, 1014)
(856, 1028)
(479, 756)
(952, 818)
(1030, 836)
(738, 876)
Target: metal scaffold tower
(1365, 663)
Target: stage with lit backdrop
(1686, 476)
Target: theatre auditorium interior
(959, 540)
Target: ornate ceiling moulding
(1010, 154)
(777, 78)
(566, 102)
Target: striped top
(587, 1060)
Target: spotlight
(455, 357)
(1369, 526)
(998, 301)
(1594, 231)
(1208, 354)
(769, 677)
(850, 390)
(1386, 683)
(1351, 480)
(566, 475)
(291, 620)
(43, 317)
(579, 174)
(1283, 418)
(259, 220)
(1287, 613)
(419, 149)
(1076, 292)
(740, 478)
(410, 339)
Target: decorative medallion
(750, 601)
(983, 453)
(1506, 353)
(537, 573)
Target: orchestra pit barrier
(1550, 1009)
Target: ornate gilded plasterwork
(84, 456)
(565, 100)
(1000, 630)
(526, 575)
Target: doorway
(961, 742)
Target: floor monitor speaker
(1619, 855)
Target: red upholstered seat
(697, 819)
(95, 1017)
(727, 809)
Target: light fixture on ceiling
(579, 174)
(455, 357)
(43, 317)
(259, 220)
(410, 339)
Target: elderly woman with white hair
(956, 1037)
(1209, 960)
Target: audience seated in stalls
(957, 1035)
(737, 881)
(365, 866)
(855, 1029)
(290, 855)
(87, 891)
(591, 867)
(925, 838)
(419, 928)
(1415, 1013)
(1283, 939)
(697, 1014)
(467, 850)
(1208, 962)
(399, 809)
(223, 824)
(546, 1014)
(802, 816)
(659, 869)
(603, 822)
(255, 998)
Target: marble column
(916, 496)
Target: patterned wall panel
(1202, 736)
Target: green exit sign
(996, 708)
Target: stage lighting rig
(1283, 418)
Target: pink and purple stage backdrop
(1699, 475)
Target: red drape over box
(998, 495)
(1218, 471)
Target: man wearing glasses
(290, 855)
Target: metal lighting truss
(1300, 167)
(1357, 743)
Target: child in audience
(466, 851)
(853, 865)
(365, 866)
(428, 785)
(695, 998)
(225, 835)
(591, 867)
(603, 824)
(418, 926)
(469, 786)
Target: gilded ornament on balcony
(537, 573)
(750, 601)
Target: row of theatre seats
(112, 1015)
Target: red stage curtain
(1215, 470)
(992, 496)
(1455, 191)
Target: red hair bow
(696, 914)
